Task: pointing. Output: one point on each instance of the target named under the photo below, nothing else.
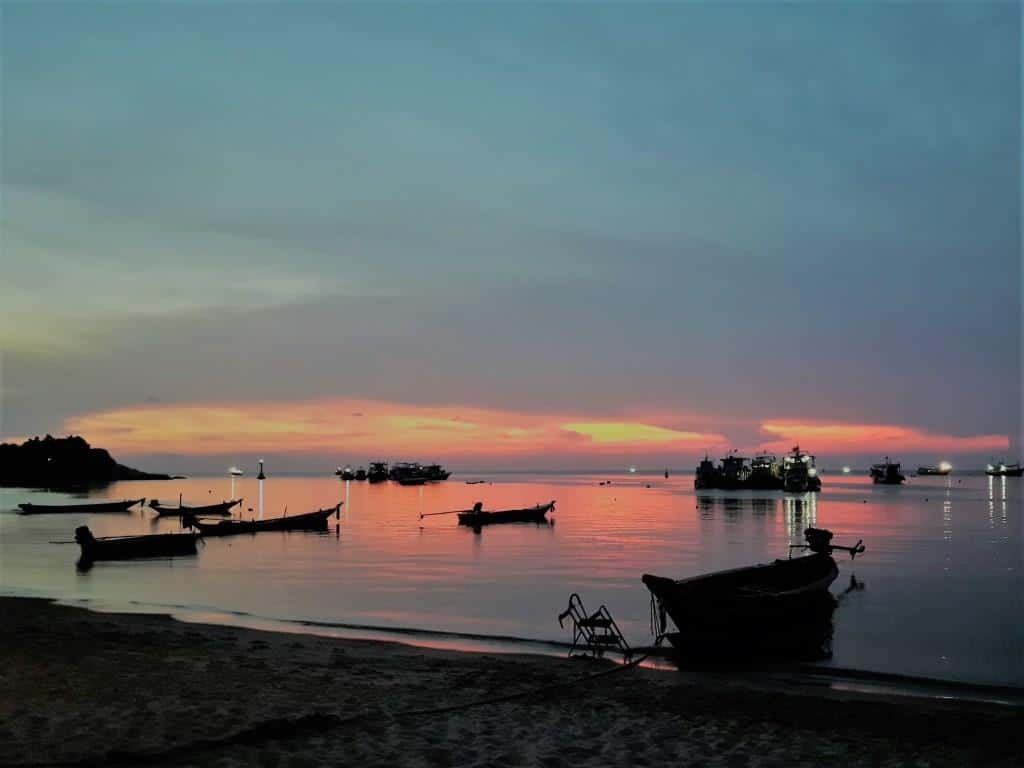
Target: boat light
(846, 470)
(812, 472)
(989, 467)
(945, 466)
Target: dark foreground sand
(92, 688)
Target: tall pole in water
(261, 477)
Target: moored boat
(345, 473)
(886, 473)
(131, 547)
(757, 609)
(799, 475)
(477, 517)
(706, 476)
(220, 508)
(99, 506)
(1002, 469)
(378, 472)
(765, 473)
(361, 474)
(944, 468)
(309, 521)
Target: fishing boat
(886, 473)
(378, 472)
(756, 609)
(436, 473)
(361, 474)
(765, 473)
(477, 517)
(706, 476)
(943, 468)
(799, 475)
(98, 506)
(221, 508)
(1002, 469)
(309, 521)
(131, 547)
(345, 473)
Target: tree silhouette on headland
(54, 462)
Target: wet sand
(91, 688)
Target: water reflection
(800, 512)
(733, 505)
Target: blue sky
(737, 211)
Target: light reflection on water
(942, 567)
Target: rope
(315, 722)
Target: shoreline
(86, 687)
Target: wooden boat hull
(223, 508)
(102, 506)
(529, 515)
(753, 611)
(310, 521)
(134, 547)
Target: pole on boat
(260, 477)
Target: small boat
(475, 482)
(221, 508)
(99, 506)
(309, 521)
(436, 473)
(477, 516)
(1002, 469)
(756, 609)
(235, 472)
(131, 547)
(942, 469)
(886, 473)
(345, 473)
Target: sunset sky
(512, 235)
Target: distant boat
(475, 482)
(1003, 469)
(799, 474)
(943, 468)
(361, 474)
(309, 521)
(220, 508)
(413, 480)
(846, 470)
(235, 472)
(99, 506)
(378, 472)
(477, 517)
(886, 473)
(130, 547)
(345, 473)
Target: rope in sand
(283, 728)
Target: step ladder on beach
(593, 633)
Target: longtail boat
(129, 547)
(755, 610)
(477, 516)
(309, 521)
(221, 508)
(98, 506)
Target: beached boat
(755, 609)
(1005, 470)
(131, 547)
(221, 508)
(476, 516)
(98, 506)
(309, 521)
(886, 473)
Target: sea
(940, 583)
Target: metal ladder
(594, 633)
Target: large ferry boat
(706, 476)
(887, 473)
(765, 473)
(799, 474)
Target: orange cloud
(827, 437)
(367, 427)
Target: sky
(511, 235)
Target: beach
(99, 688)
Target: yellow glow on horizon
(371, 427)
(828, 437)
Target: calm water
(942, 569)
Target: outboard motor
(819, 540)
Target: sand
(78, 687)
